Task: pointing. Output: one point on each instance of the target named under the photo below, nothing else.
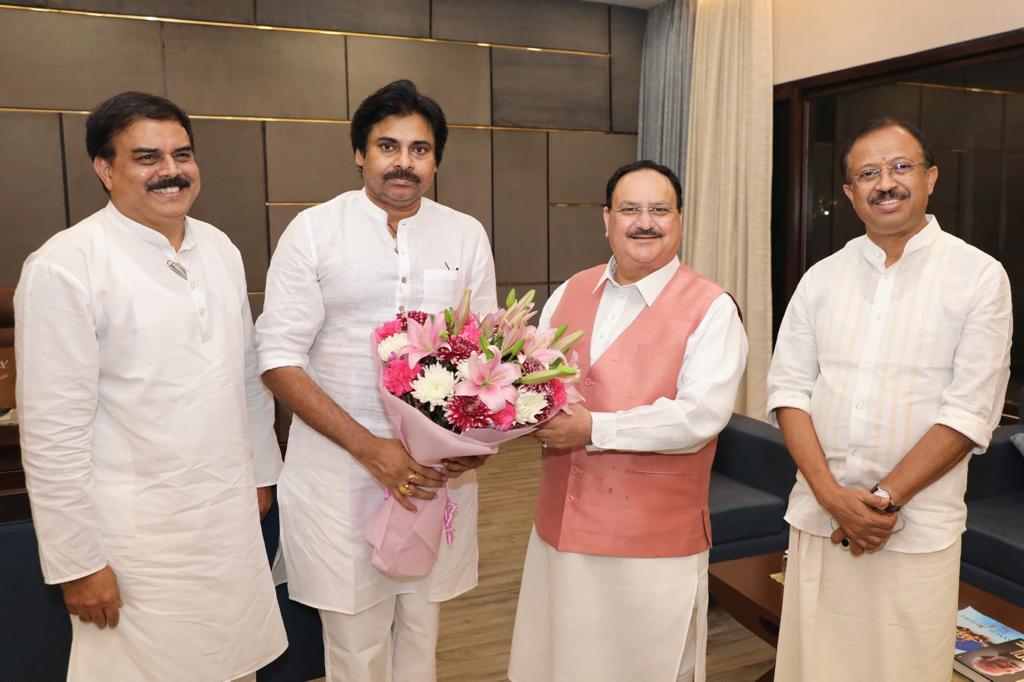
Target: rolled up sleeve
(57, 353)
(973, 401)
(293, 310)
(794, 367)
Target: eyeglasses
(633, 212)
(868, 176)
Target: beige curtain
(729, 165)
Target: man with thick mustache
(615, 582)
(145, 430)
(890, 368)
(339, 270)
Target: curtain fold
(665, 84)
(727, 216)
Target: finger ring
(845, 542)
(405, 489)
(413, 477)
(543, 443)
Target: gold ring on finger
(405, 489)
(413, 477)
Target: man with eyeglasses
(145, 430)
(891, 366)
(615, 582)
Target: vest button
(588, 381)
(571, 498)
(575, 469)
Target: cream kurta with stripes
(879, 355)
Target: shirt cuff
(980, 432)
(792, 399)
(269, 360)
(602, 431)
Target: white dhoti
(609, 619)
(886, 615)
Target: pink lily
(538, 346)
(490, 380)
(424, 339)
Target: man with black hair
(144, 427)
(340, 269)
(615, 584)
(890, 368)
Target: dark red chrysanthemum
(467, 412)
(458, 349)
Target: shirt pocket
(441, 289)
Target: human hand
(265, 500)
(567, 431)
(456, 466)
(387, 460)
(856, 513)
(94, 598)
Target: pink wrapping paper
(405, 544)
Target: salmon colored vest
(629, 504)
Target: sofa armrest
(753, 452)
(1000, 470)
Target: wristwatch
(884, 494)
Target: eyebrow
(150, 150)
(392, 140)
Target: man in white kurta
(144, 427)
(890, 367)
(339, 270)
(612, 618)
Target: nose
(169, 166)
(404, 158)
(644, 219)
(886, 179)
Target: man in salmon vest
(615, 582)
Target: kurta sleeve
(973, 401)
(57, 353)
(794, 367)
(293, 310)
(713, 364)
(484, 298)
(266, 453)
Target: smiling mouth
(167, 190)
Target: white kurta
(142, 417)
(336, 274)
(606, 619)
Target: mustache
(166, 183)
(402, 174)
(883, 194)
(645, 232)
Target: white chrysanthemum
(392, 344)
(462, 370)
(434, 386)
(529, 405)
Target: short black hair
(877, 124)
(643, 164)
(120, 111)
(400, 98)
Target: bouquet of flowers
(459, 384)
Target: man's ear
(606, 213)
(103, 170)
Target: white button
(859, 405)
(192, 284)
(878, 316)
(404, 280)
(202, 311)
(867, 361)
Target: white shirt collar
(148, 234)
(650, 286)
(377, 213)
(874, 254)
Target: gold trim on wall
(961, 88)
(332, 121)
(294, 203)
(296, 29)
(561, 205)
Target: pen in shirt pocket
(448, 267)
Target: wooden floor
(476, 628)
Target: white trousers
(885, 615)
(394, 640)
(585, 618)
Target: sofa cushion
(995, 536)
(740, 511)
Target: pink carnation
(467, 412)
(388, 329)
(558, 396)
(398, 376)
(504, 419)
(417, 315)
(470, 333)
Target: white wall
(812, 37)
